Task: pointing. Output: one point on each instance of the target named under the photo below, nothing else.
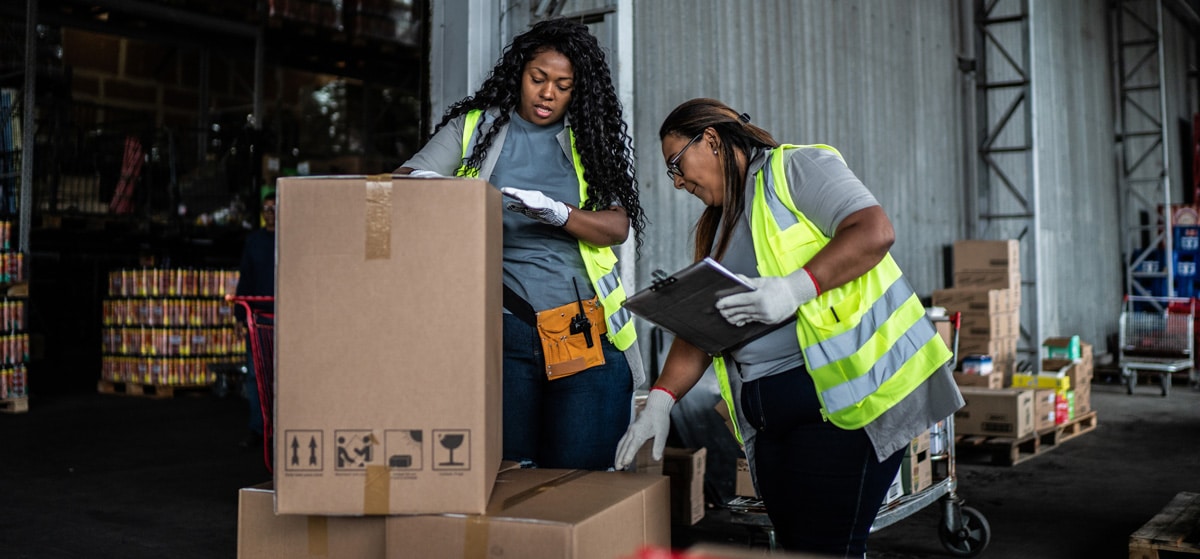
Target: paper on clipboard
(684, 304)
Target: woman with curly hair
(546, 129)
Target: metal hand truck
(261, 326)
(1156, 334)
(964, 531)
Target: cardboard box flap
(539, 494)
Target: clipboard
(684, 304)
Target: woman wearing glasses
(546, 129)
(832, 398)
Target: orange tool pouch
(571, 337)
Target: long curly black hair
(595, 112)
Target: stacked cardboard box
(1007, 412)
(987, 291)
(402, 424)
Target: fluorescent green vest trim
(867, 344)
(601, 262)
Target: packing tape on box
(475, 545)
(318, 536)
(375, 490)
(379, 217)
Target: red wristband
(814, 280)
(669, 393)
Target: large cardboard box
(388, 345)
(264, 535)
(991, 280)
(547, 514)
(686, 468)
(1004, 412)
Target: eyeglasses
(673, 170)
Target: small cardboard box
(1001, 255)
(743, 485)
(1057, 381)
(388, 345)
(686, 468)
(546, 513)
(264, 535)
(1062, 347)
(916, 472)
(1005, 412)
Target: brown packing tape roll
(318, 536)
(475, 546)
(375, 490)
(379, 217)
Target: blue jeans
(822, 485)
(572, 422)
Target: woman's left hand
(535, 205)
(773, 300)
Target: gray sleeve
(824, 188)
(443, 153)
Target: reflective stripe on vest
(600, 262)
(867, 344)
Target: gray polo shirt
(826, 191)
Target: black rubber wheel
(1165, 381)
(969, 540)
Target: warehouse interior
(137, 138)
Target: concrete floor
(90, 475)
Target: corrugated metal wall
(877, 80)
(1081, 271)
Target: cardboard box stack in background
(546, 513)
(1073, 359)
(388, 339)
(987, 291)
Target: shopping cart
(964, 531)
(1156, 334)
(261, 325)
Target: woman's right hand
(653, 421)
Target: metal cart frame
(261, 326)
(1156, 334)
(964, 531)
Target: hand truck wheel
(971, 535)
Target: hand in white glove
(773, 300)
(654, 421)
(422, 174)
(536, 205)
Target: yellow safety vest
(867, 344)
(601, 262)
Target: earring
(714, 152)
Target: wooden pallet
(1175, 529)
(149, 390)
(14, 405)
(1009, 451)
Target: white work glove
(422, 174)
(774, 299)
(654, 421)
(536, 205)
